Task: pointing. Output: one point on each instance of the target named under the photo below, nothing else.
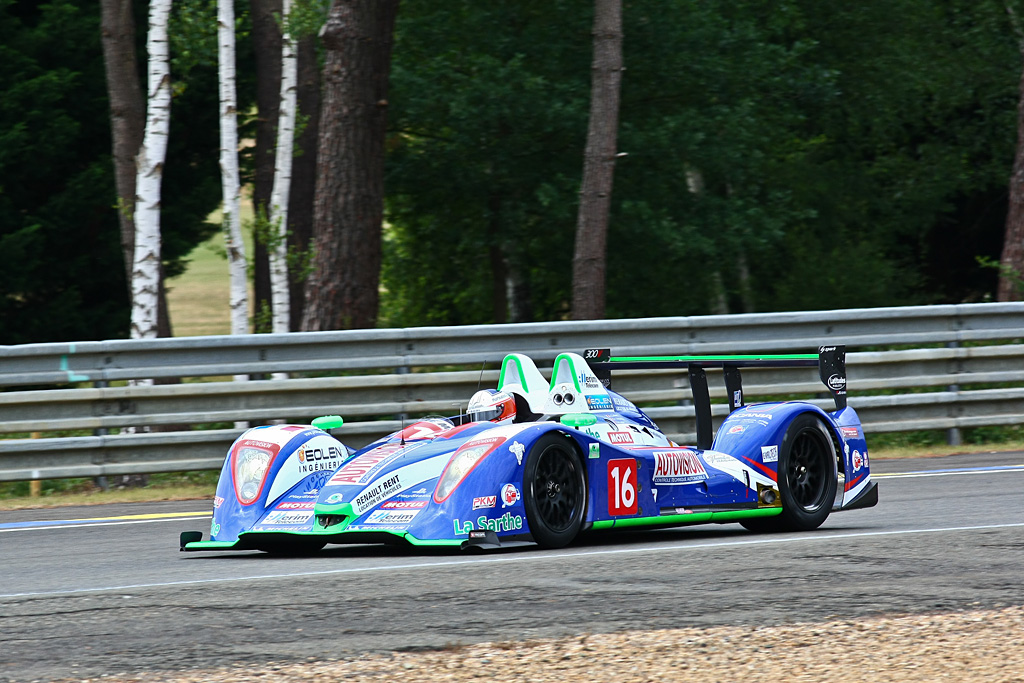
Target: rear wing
(830, 361)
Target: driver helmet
(491, 405)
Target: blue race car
(537, 461)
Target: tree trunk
(266, 41)
(342, 292)
(146, 280)
(1011, 265)
(588, 265)
(300, 202)
(237, 267)
(278, 214)
(127, 115)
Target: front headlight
(462, 463)
(250, 469)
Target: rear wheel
(555, 490)
(807, 478)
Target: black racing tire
(554, 490)
(807, 478)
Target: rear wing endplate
(830, 360)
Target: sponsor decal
(849, 432)
(296, 505)
(217, 502)
(261, 444)
(736, 429)
(509, 495)
(623, 404)
(678, 467)
(287, 518)
(517, 449)
(737, 398)
(620, 437)
(769, 453)
(716, 458)
(334, 498)
(403, 504)
(507, 522)
(622, 487)
(361, 469)
(378, 527)
(826, 349)
(758, 416)
(589, 381)
(858, 460)
(599, 402)
(397, 481)
(836, 382)
(315, 459)
(594, 451)
(384, 489)
(391, 517)
(484, 502)
(214, 529)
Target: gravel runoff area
(979, 645)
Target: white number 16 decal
(622, 487)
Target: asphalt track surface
(79, 599)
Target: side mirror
(578, 420)
(328, 422)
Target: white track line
(526, 557)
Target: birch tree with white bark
(150, 162)
(231, 186)
(278, 215)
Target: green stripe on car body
(694, 359)
(692, 518)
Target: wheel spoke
(806, 470)
(554, 488)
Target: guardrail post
(101, 480)
(35, 487)
(953, 435)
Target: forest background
(779, 155)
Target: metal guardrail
(428, 347)
(945, 387)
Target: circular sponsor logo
(836, 382)
(334, 498)
(509, 495)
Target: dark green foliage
(488, 115)
(781, 155)
(63, 277)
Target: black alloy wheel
(555, 493)
(807, 478)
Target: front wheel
(554, 490)
(807, 478)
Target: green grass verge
(196, 485)
(199, 298)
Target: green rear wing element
(830, 361)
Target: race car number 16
(622, 487)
